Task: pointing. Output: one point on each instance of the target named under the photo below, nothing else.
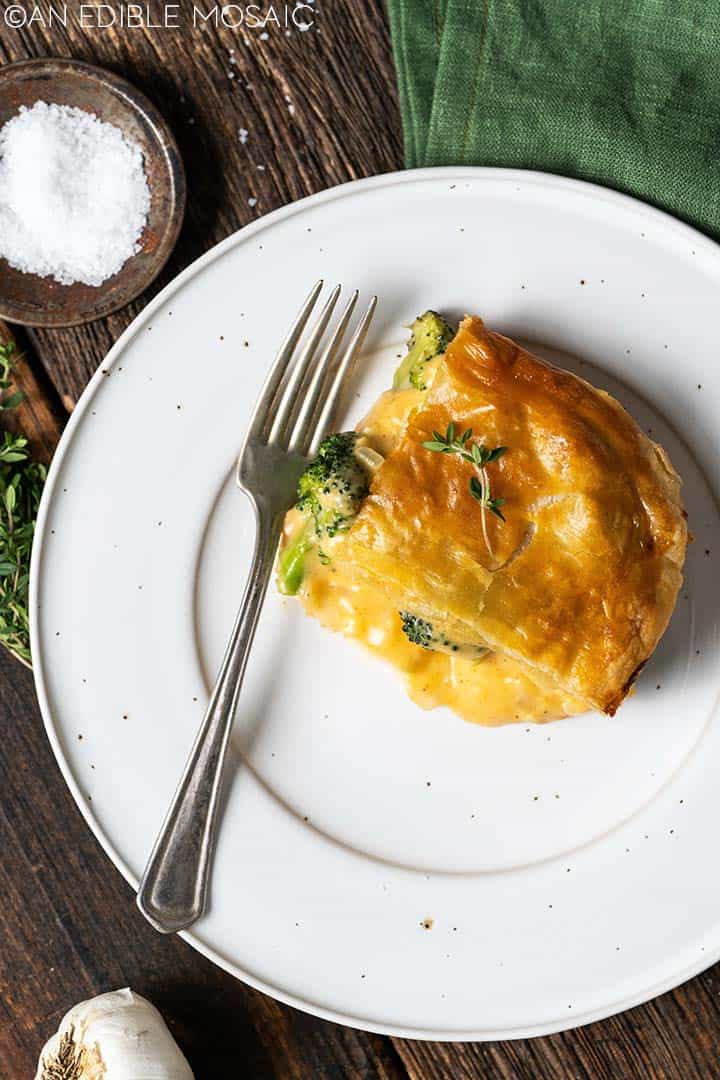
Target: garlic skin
(115, 1036)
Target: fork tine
(289, 402)
(304, 428)
(326, 414)
(264, 404)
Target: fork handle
(173, 891)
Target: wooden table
(319, 107)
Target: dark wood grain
(319, 108)
(40, 416)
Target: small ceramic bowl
(41, 301)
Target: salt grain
(74, 198)
(243, 134)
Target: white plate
(569, 870)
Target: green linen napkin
(625, 93)
(417, 31)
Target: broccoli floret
(334, 485)
(330, 493)
(420, 632)
(416, 630)
(430, 335)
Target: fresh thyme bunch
(21, 484)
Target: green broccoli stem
(291, 564)
(401, 380)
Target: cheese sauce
(490, 691)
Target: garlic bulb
(116, 1036)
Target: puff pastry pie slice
(572, 591)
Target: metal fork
(295, 410)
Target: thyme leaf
(476, 490)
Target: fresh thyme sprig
(21, 484)
(478, 456)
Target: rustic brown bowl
(42, 301)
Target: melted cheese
(491, 691)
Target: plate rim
(408, 176)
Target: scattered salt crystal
(74, 198)
(243, 133)
(252, 202)
(261, 168)
(264, 36)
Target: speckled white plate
(393, 869)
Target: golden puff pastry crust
(580, 581)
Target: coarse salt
(74, 197)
